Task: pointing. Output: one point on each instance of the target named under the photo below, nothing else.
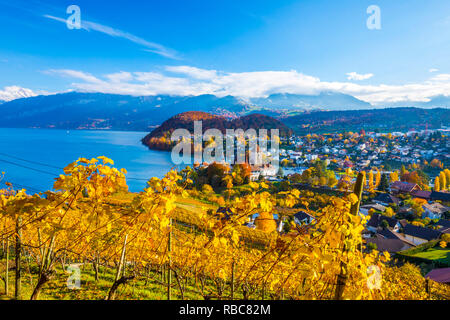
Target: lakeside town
(362, 151)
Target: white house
(312, 157)
(269, 171)
(434, 210)
(361, 146)
(419, 235)
(376, 206)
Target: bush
(384, 224)
(207, 189)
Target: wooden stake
(18, 283)
(354, 210)
(122, 258)
(7, 268)
(232, 279)
(117, 280)
(169, 271)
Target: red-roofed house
(404, 187)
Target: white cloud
(193, 72)
(433, 70)
(441, 77)
(76, 74)
(358, 77)
(195, 81)
(120, 77)
(15, 92)
(150, 46)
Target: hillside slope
(159, 138)
(383, 120)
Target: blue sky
(245, 48)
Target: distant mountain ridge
(76, 110)
(324, 100)
(437, 102)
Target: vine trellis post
(169, 264)
(18, 280)
(342, 277)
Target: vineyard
(156, 245)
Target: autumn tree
(332, 181)
(437, 186)
(416, 206)
(295, 178)
(207, 189)
(216, 173)
(435, 163)
(393, 176)
(417, 177)
(403, 171)
(389, 212)
(370, 182)
(344, 183)
(228, 181)
(377, 178)
(447, 176)
(241, 173)
(443, 181)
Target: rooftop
(376, 220)
(387, 198)
(422, 233)
(404, 186)
(439, 275)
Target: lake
(46, 151)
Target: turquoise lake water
(57, 148)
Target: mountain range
(324, 100)
(76, 110)
(439, 101)
(109, 111)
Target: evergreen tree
(384, 183)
